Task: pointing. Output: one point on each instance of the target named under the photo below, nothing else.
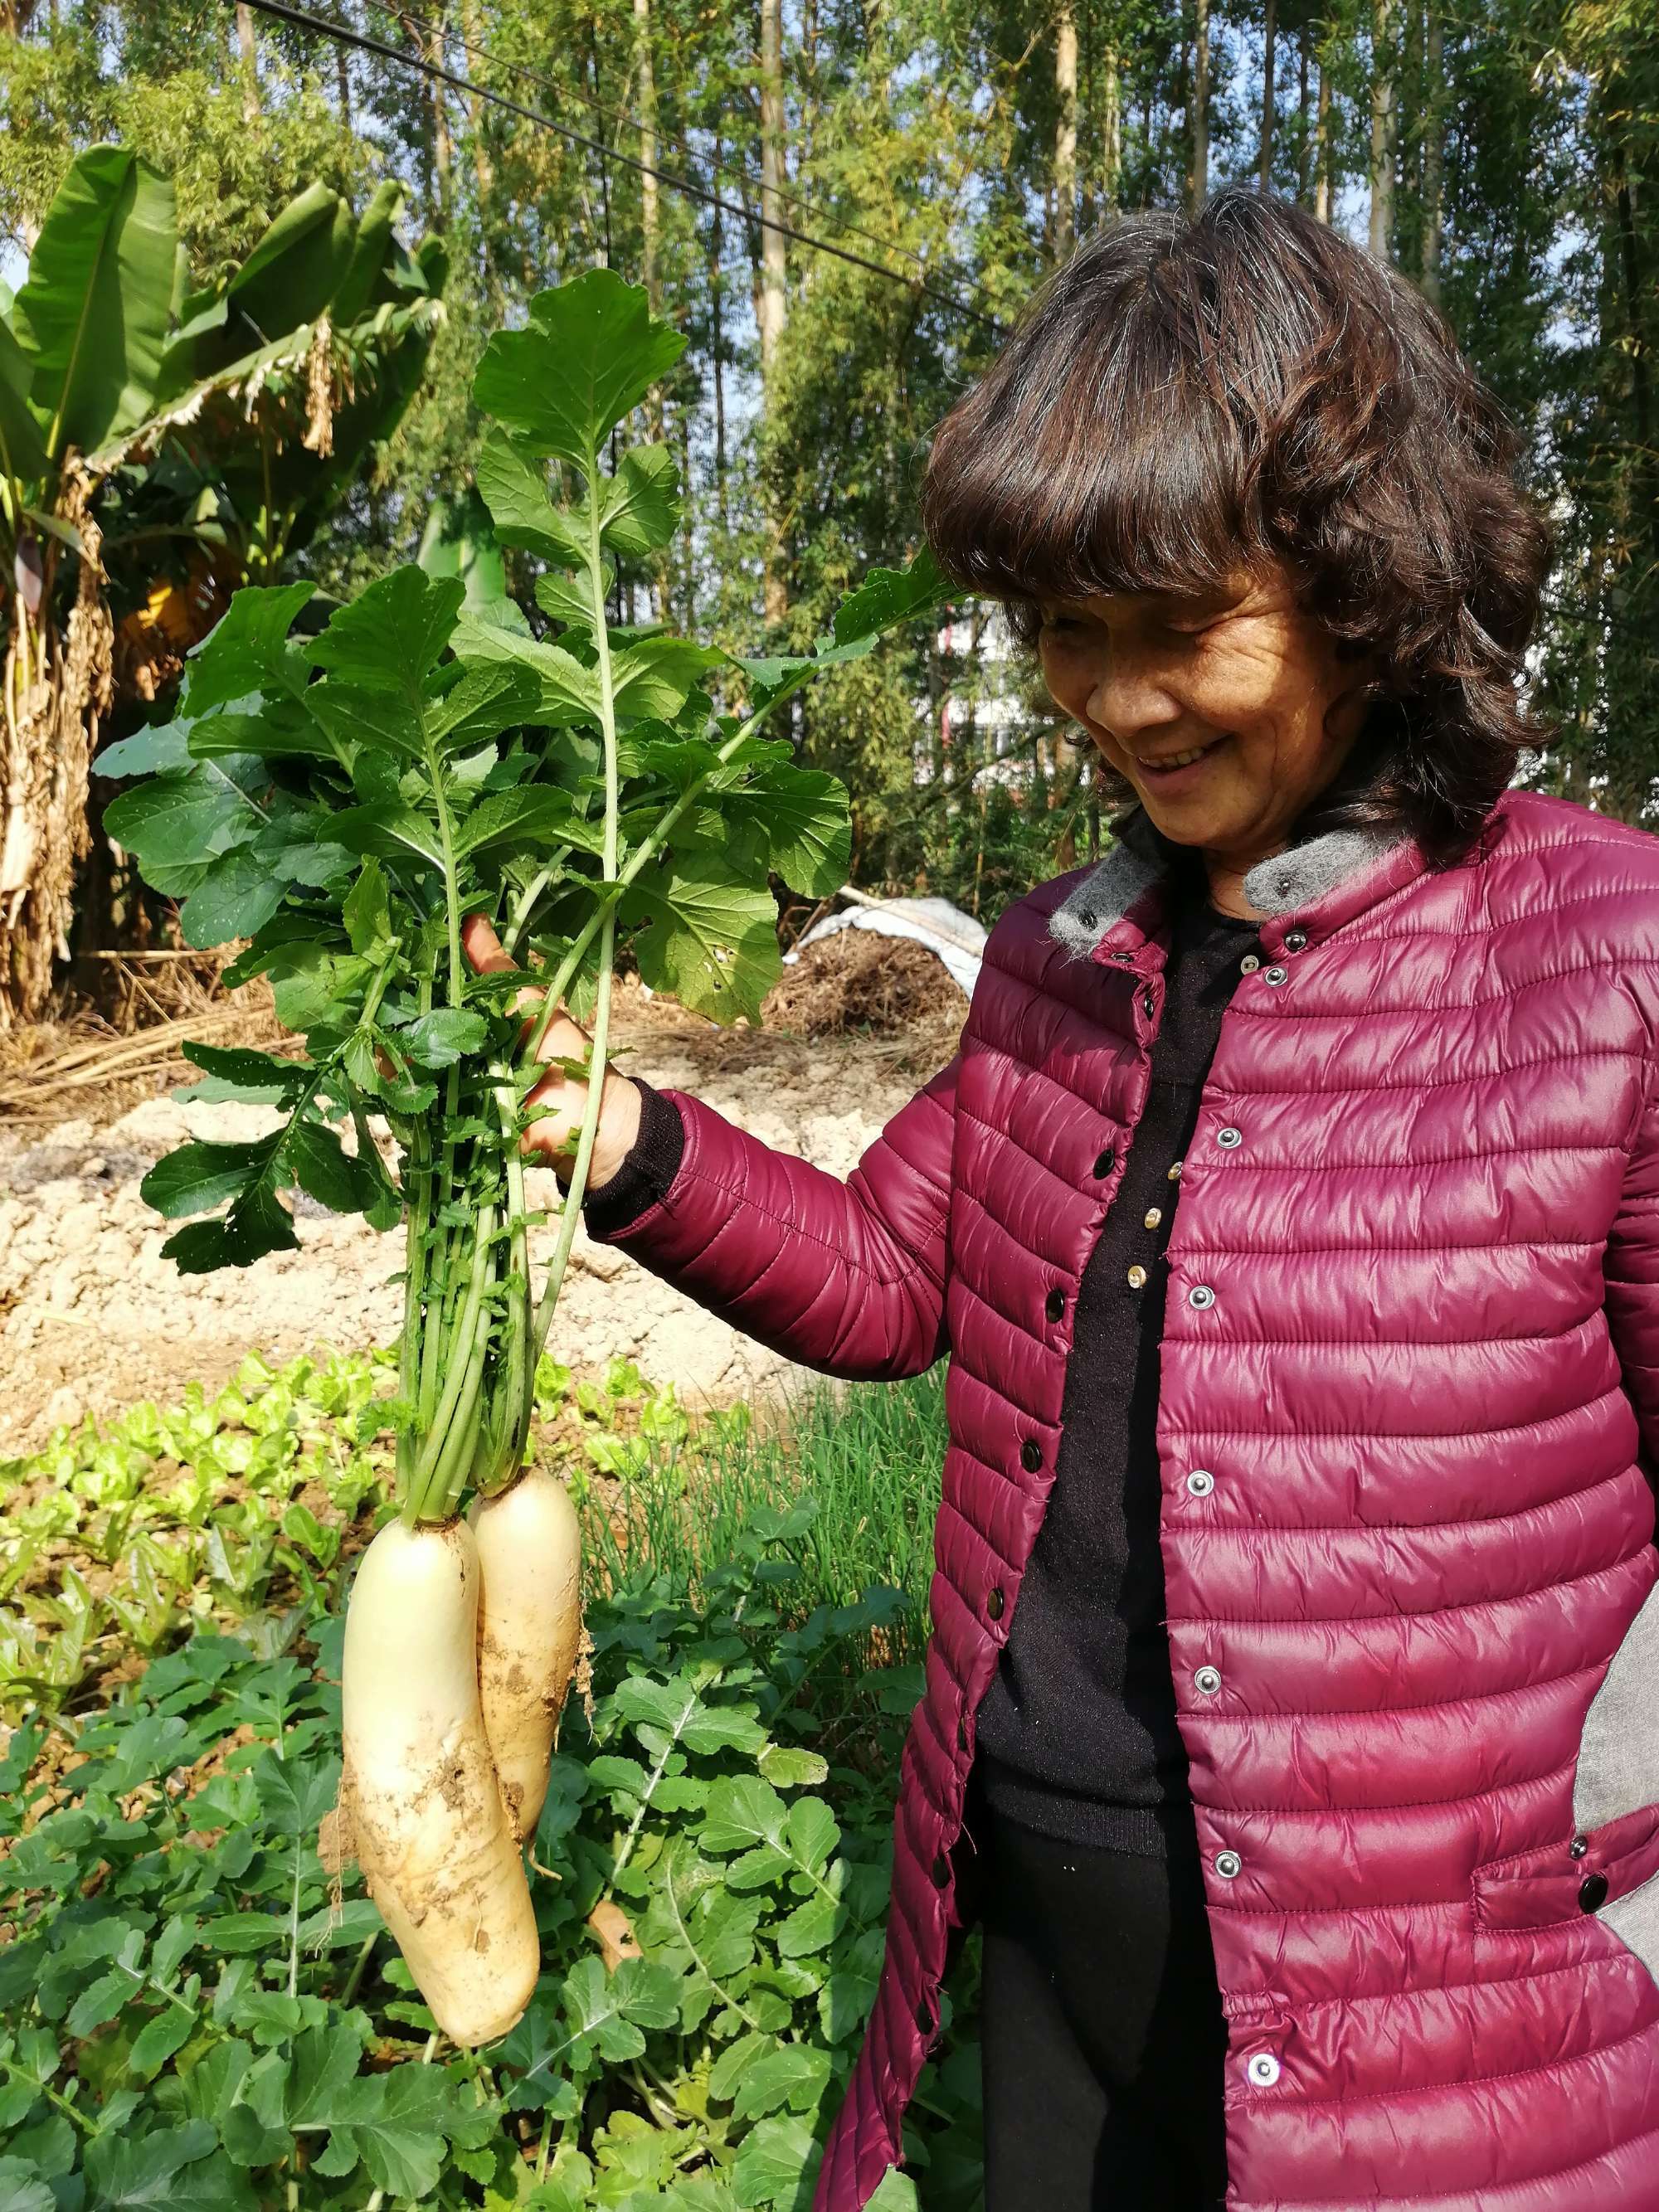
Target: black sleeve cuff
(650, 1166)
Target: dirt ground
(92, 1318)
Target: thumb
(483, 947)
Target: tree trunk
(1301, 118)
(1434, 153)
(342, 74)
(247, 46)
(483, 169)
(442, 151)
(772, 264)
(1269, 54)
(1065, 232)
(648, 218)
(717, 296)
(1199, 185)
(1323, 140)
(1380, 238)
(1111, 130)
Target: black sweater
(1077, 1735)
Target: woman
(1290, 1713)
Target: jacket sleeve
(1630, 1272)
(845, 1277)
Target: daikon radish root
(530, 1627)
(418, 1792)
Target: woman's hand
(563, 1098)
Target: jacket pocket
(1537, 1889)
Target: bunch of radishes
(346, 798)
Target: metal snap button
(1030, 1455)
(1148, 1002)
(1175, 1172)
(1250, 962)
(1263, 2069)
(1275, 973)
(1107, 1161)
(1229, 1137)
(1151, 1217)
(1200, 1482)
(1201, 1295)
(1056, 1305)
(1208, 1679)
(1087, 916)
(1295, 939)
(1227, 1864)
(1137, 1276)
(993, 1605)
(1577, 1847)
(1592, 1893)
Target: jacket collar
(1314, 887)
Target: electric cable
(366, 42)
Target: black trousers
(1104, 2040)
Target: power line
(432, 26)
(365, 42)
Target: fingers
(483, 947)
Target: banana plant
(159, 444)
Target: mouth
(1167, 767)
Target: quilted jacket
(1407, 1432)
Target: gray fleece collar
(1140, 854)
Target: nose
(1132, 694)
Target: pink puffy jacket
(1407, 1430)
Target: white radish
(530, 1627)
(421, 1802)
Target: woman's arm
(846, 1277)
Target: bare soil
(92, 1319)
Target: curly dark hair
(1187, 395)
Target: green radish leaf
(568, 692)
(887, 597)
(238, 1073)
(789, 1767)
(175, 820)
(590, 354)
(257, 1224)
(657, 674)
(539, 815)
(325, 1171)
(568, 598)
(807, 818)
(513, 484)
(495, 696)
(367, 909)
(713, 944)
(388, 637)
(153, 751)
(444, 1036)
(247, 649)
(898, 2193)
(640, 504)
(354, 716)
(282, 731)
(387, 832)
(237, 895)
(200, 1175)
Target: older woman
(1290, 1214)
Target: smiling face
(1227, 714)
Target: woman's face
(1244, 681)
